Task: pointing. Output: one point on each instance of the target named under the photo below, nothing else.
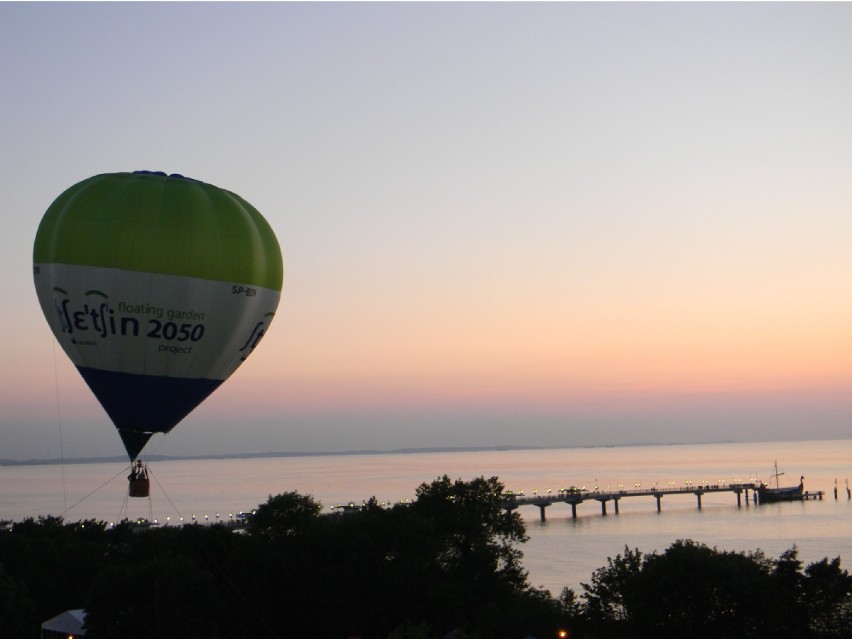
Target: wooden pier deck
(573, 497)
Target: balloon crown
(163, 174)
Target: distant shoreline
(272, 455)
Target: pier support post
(573, 511)
(603, 508)
(739, 499)
(615, 501)
(659, 502)
(698, 494)
(541, 507)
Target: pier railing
(576, 496)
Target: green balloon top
(158, 223)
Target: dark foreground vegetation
(448, 562)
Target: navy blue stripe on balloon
(146, 403)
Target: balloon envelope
(157, 287)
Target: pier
(575, 496)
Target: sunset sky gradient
(545, 224)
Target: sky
(503, 224)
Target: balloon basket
(140, 487)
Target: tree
(16, 607)
(828, 596)
(284, 515)
(160, 596)
(467, 543)
(472, 526)
(694, 591)
(605, 605)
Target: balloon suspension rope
(160, 486)
(122, 513)
(59, 428)
(81, 500)
(222, 573)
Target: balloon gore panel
(147, 403)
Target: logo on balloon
(257, 334)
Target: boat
(768, 495)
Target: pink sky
(632, 224)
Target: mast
(777, 474)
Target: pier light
(549, 490)
(207, 519)
(181, 520)
(168, 520)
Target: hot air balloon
(157, 287)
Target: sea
(561, 551)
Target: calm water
(561, 551)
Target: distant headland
(260, 455)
